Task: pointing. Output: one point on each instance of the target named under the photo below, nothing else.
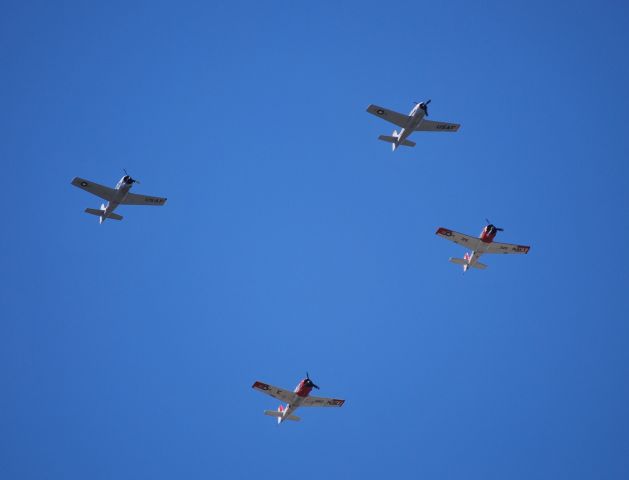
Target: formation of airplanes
(415, 121)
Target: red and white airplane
(300, 397)
(483, 244)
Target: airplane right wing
(101, 191)
(276, 392)
(139, 199)
(459, 238)
(496, 247)
(322, 402)
(432, 126)
(396, 118)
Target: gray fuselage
(415, 118)
(122, 188)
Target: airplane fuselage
(121, 190)
(302, 390)
(416, 117)
(486, 237)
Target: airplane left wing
(460, 238)
(101, 191)
(432, 126)
(322, 402)
(396, 118)
(495, 247)
(138, 199)
(276, 392)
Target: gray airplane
(413, 122)
(115, 196)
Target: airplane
(300, 397)
(413, 122)
(483, 244)
(115, 196)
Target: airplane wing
(322, 402)
(432, 126)
(495, 247)
(276, 392)
(396, 118)
(460, 238)
(139, 199)
(101, 191)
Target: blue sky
(294, 240)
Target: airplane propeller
(424, 106)
(310, 382)
(131, 180)
(489, 224)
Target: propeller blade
(425, 105)
(311, 382)
(498, 229)
(131, 179)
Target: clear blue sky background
(294, 240)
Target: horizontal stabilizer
(391, 139)
(458, 261)
(480, 266)
(462, 261)
(387, 138)
(101, 213)
(94, 211)
(275, 413)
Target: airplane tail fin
(101, 213)
(466, 265)
(279, 414)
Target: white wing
(276, 392)
(495, 247)
(396, 118)
(432, 126)
(460, 238)
(322, 402)
(139, 199)
(101, 191)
